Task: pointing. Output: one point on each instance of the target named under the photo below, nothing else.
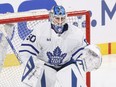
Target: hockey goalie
(8, 29)
(51, 52)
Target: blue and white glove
(91, 58)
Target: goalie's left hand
(91, 58)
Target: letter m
(106, 9)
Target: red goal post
(37, 15)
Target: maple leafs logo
(56, 57)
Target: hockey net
(23, 25)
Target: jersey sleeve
(82, 43)
(29, 47)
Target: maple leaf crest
(56, 57)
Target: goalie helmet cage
(80, 19)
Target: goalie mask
(58, 18)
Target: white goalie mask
(58, 18)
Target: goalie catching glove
(91, 58)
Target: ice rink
(103, 77)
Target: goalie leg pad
(48, 78)
(70, 76)
(32, 71)
(36, 74)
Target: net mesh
(23, 25)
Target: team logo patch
(48, 39)
(56, 57)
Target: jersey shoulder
(41, 28)
(76, 31)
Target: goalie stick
(10, 43)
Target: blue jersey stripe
(31, 47)
(77, 52)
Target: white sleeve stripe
(28, 52)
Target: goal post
(24, 23)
